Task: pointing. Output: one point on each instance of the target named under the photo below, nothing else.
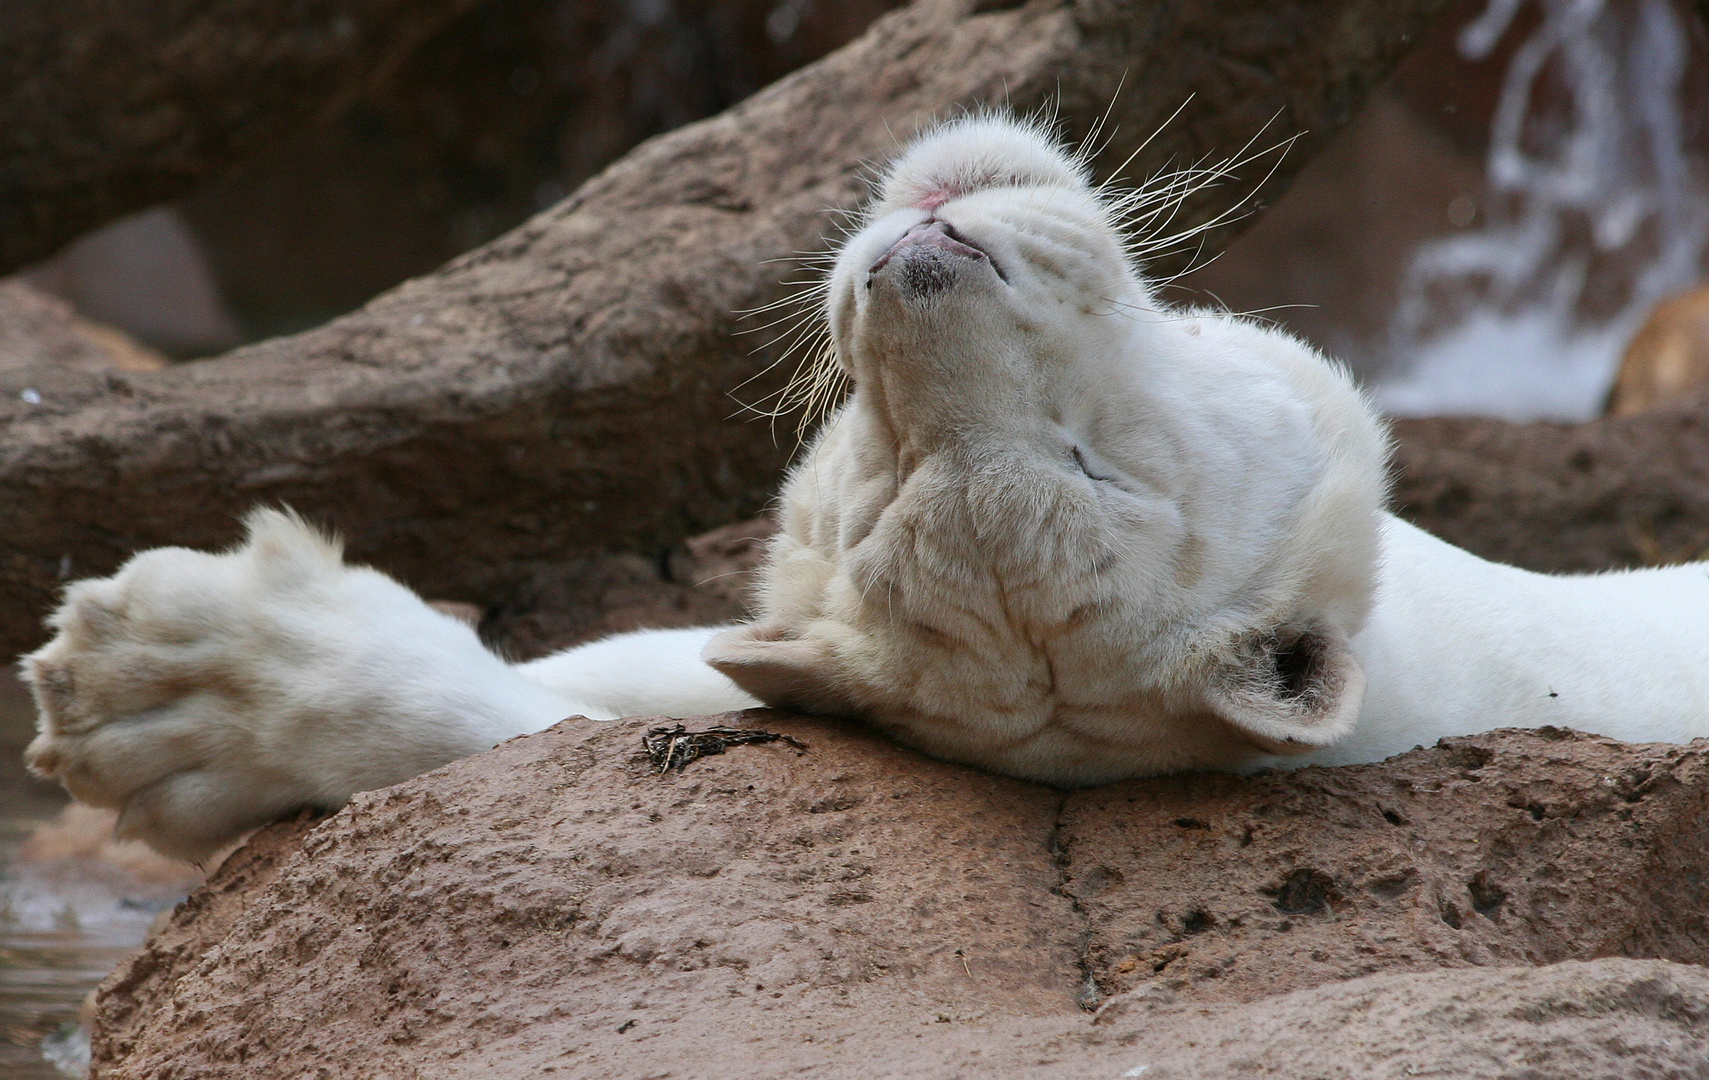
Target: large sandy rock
(1602, 1020)
(1667, 360)
(1516, 847)
(853, 909)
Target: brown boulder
(1667, 359)
(557, 906)
(1603, 1020)
(1519, 847)
(702, 581)
(39, 331)
(110, 107)
(177, 946)
(521, 908)
(1617, 491)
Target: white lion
(1058, 530)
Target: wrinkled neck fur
(929, 384)
(974, 379)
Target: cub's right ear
(784, 672)
(1290, 691)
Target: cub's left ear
(783, 671)
(1290, 691)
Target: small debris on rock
(675, 746)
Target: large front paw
(151, 694)
(201, 695)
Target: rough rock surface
(1604, 1020)
(1621, 491)
(703, 581)
(1668, 358)
(556, 907)
(1518, 847)
(178, 946)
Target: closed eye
(1080, 461)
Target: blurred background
(1486, 238)
(1521, 211)
(1491, 233)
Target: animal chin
(929, 256)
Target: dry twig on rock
(674, 747)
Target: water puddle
(72, 905)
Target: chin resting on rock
(1058, 530)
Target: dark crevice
(1087, 994)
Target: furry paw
(201, 695)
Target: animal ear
(1292, 690)
(784, 671)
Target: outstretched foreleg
(202, 694)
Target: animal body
(1058, 530)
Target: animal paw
(201, 695)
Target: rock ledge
(854, 909)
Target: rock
(149, 275)
(41, 331)
(123, 1003)
(111, 108)
(1668, 359)
(701, 582)
(548, 893)
(556, 906)
(1614, 492)
(502, 112)
(1607, 1019)
(1514, 847)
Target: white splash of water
(1595, 212)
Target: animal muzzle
(927, 259)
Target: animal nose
(931, 233)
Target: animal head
(1059, 529)
(985, 266)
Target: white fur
(644, 673)
(1056, 524)
(1059, 530)
(1456, 645)
(949, 570)
(204, 694)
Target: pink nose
(933, 233)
